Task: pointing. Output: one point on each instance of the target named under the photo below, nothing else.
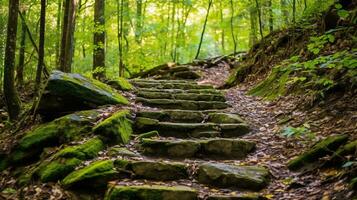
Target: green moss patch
(67, 159)
(321, 149)
(115, 129)
(94, 175)
(121, 84)
(59, 131)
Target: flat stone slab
(161, 171)
(210, 148)
(236, 197)
(193, 130)
(182, 104)
(174, 115)
(163, 85)
(175, 91)
(133, 81)
(230, 176)
(181, 96)
(151, 192)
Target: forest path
(190, 141)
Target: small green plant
(342, 13)
(301, 131)
(318, 43)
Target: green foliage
(314, 77)
(318, 43)
(301, 131)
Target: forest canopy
(151, 32)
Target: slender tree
(253, 26)
(41, 47)
(284, 10)
(139, 21)
(257, 5)
(20, 67)
(12, 99)
(120, 19)
(222, 27)
(99, 40)
(271, 18)
(58, 31)
(210, 2)
(67, 41)
(232, 28)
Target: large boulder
(66, 93)
(62, 130)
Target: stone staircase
(188, 145)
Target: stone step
(181, 96)
(231, 176)
(176, 91)
(194, 130)
(182, 104)
(150, 192)
(217, 148)
(153, 170)
(163, 85)
(215, 116)
(133, 81)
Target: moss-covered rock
(182, 104)
(234, 130)
(66, 92)
(121, 151)
(237, 197)
(226, 148)
(95, 175)
(224, 118)
(319, 150)
(211, 148)
(181, 96)
(174, 115)
(115, 129)
(348, 149)
(59, 131)
(66, 160)
(186, 75)
(242, 177)
(148, 135)
(143, 123)
(170, 148)
(159, 170)
(177, 91)
(151, 192)
(164, 85)
(121, 84)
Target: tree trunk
(2, 47)
(68, 26)
(232, 28)
(259, 18)
(99, 40)
(120, 17)
(139, 21)
(294, 11)
(284, 10)
(253, 27)
(12, 99)
(58, 28)
(20, 67)
(41, 47)
(204, 28)
(222, 27)
(271, 17)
